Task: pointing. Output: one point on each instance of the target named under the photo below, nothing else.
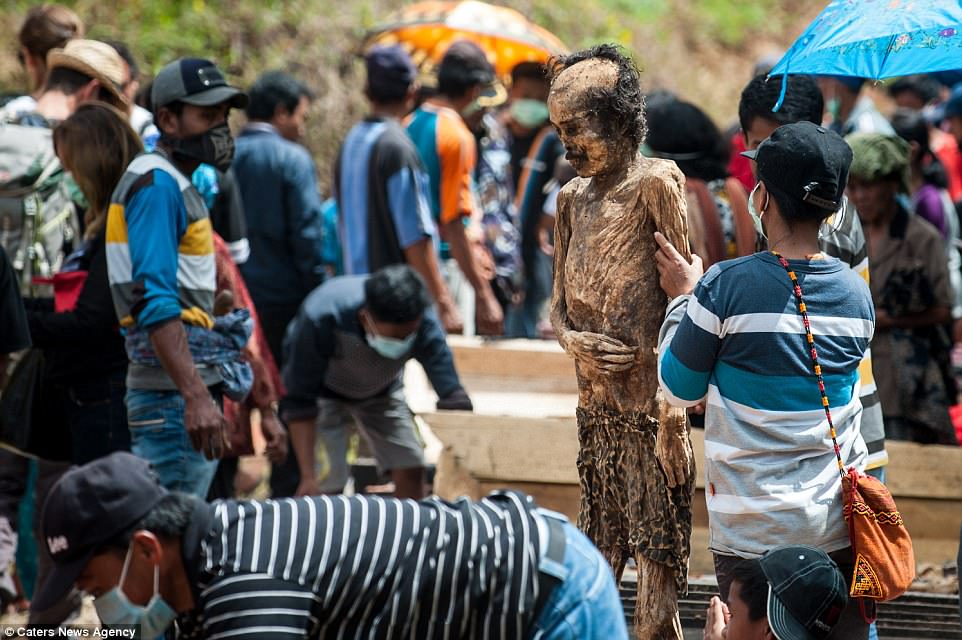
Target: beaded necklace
(797, 288)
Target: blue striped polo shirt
(739, 344)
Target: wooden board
(537, 455)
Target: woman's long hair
(95, 145)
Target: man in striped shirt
(845, 241)
(325, 567)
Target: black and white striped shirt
(364, 567)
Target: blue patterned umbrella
(878, 39)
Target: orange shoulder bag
(881, 546)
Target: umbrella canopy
(427, 29)
(879, 39)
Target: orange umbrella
(427, 29)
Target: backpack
(38, 217)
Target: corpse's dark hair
(911, 126)
(803, 101)
(168, 520)
(752, 587)
(396, 295)
(620, 109)
(682, 132)
(273, 89)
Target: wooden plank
(524, 359)
(537, 455)
(545, 450)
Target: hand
(206, 426)
(882, 320)
(545, 232)
(457, 400)
(607, 355)
(489, 316)
(450, 316)
(274, 435)
(716, 619)
(307, 487)
(698, 409)
(223, 302)
(673, 447)
(676, 276)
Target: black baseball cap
(806, 592)
(194, 81)
(805, 162)
(87, 507)
(390, 67)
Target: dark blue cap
(87, 507)
(389, 68)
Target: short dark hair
(794, 209)
(396, 294)
(620, 109)
(803, 101)
(272, 89)
(127, 55)
(168, 520)
(529, 71)
(911, 126)
(752, 588)
(682, 132)
(925, 87)
(67, 81)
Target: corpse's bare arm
(603, 353)
(669, 211)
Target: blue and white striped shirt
(738, 343)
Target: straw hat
(92, 58)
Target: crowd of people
(163, 282)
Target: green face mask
(530, 114)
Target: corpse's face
(590, 149)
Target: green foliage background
(701, 49)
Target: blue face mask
(390, 348)
(114, 608)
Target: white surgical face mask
(756, 216)
(114, 608)
(390, 348)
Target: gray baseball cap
(194, 81)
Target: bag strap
(802, 309)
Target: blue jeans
(158, 435)
(586, 604)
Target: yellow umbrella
(427, 29)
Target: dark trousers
(97, 415)
(274, 320)
(851, 626)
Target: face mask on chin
(114, 608)
(214, 147)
